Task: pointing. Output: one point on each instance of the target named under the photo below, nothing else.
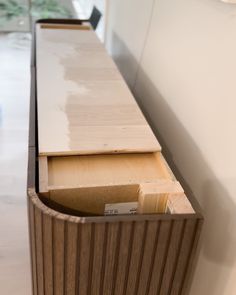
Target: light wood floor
(14, 100)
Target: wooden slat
(39, 251)
(48, 254)
(183, 256)
(162, 244)
(153, 197)
(71, 258)
(191, 258)
(58, 255)
(84, 259)
(136, 256)
(172, 256)
(126, 240)
(97, 257)
(149, 248)
(85, 115)
(111, 256)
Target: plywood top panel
(84, 105)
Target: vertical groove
(117, 254)
(141, 256)
(177, 257)
(35, 247)
(104, 259)
(129, 257)
(165, 257)
(77, 273)
(53, 280)
(189, 256)
(42, 245)
(153, 257)
(91, 256)
(65, 255)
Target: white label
(121, 208)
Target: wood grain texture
(110, 256)
(64, 27)
(99, 170)
(84, 105)
(88, 183)
(141, 254)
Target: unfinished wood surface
(84, 105)
(102, 170)
(92, 200)
(153, 197)
(145, 254)
(90, 183)
(43, 174)
(110, 256)
(65, 27)
(179, 203)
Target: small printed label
(121, 208)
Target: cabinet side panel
(39, 250)
(32, 246)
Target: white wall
(126, 33)
(182, 69)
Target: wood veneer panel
(39, 251)
(71, 257)
(120, 256)
(191, 258)
(48, 254)
(147, 259)
(111, 256)
(159, 257)
(85, 258)
(98, 253)
(136, 253)
(33, 247)
(183, 256)
(58, 255)
(171, 256)
(122, 268)
(89, 114)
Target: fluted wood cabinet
(73, 254)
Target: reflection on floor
(14, 101)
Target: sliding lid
(84, 105)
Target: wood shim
(153, 197)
